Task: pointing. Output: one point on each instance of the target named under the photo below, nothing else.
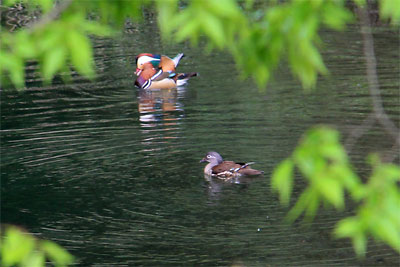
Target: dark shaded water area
(113, 174)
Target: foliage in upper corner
(289, 29)
(323, 162)
(59, 39)
(390, 9)
(19, 248)
(258, 34)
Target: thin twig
(50, 16)
(359, 131)
(391, 154)
(372, 77)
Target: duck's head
(143, 59)
(212, 157)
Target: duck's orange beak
(138, 71)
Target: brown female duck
(225, 169)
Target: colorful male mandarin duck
(226, 169)
(157, 71)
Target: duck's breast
(163, 84)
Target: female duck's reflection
(215, 186)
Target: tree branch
(372, 77)
(359, 131)
(50, 16)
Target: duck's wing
(226, 166)
(235, 167)
(161, 75)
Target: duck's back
(167, 64)
(234, 167)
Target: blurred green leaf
(331, 189)
(81, 52)
(15, 66)
(214, 29)
(360, 244)
(312, 206)
(388, 232)
(24, 45)
(167, 15)
(347, 227)
(336, 16)
(282, 180)
(15, 247)
(390, 9)
(54, 36)
(302, 203)
(186, 31)
(349, 179)
(46, 5)
(56, 253)
(53, 61)
(34, 259)
(360, 3)
(10, 2)
(97, 29)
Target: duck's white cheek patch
(145, 59)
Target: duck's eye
(208, 156)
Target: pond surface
(113, 174)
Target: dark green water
(112, 173)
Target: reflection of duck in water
(226, 169)
(159, 105)
(157, 71)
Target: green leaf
(331, 190)
(360, 244)
(46, 5)
(387, 231)
(97, 28)
(53, 61)
(15, 247)
(360, 3)
(390, 9)
(35, 259)
(312, 206)
(56, 253)
(15, 66)
(347, 227)
(224, 8)
(349, 180)
(282, 180)
(81, 53)
(52, 37)
(214, 29)
(336, 16)
(10, 2)
(187, 30)
(300, 205)
(24, 45)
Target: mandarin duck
(226, 169)
(157, 71)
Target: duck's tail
(182, 78)
(177, 59)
